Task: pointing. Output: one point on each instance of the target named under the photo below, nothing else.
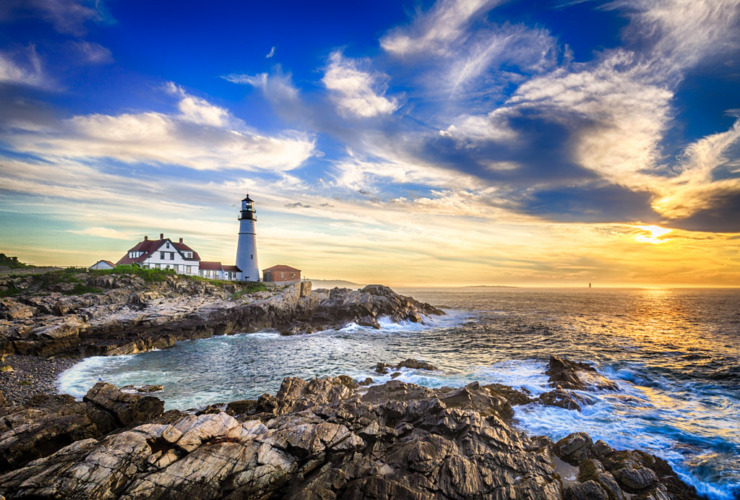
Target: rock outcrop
(567, 374)
(49, 423)
(415, 364)
(130, 315)
(326, 438)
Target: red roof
(111, 264)
(147, 247)
(232, 269)
(210, 266)
(281, 268)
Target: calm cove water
(674, 353)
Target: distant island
(335, 284)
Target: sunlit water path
(674, 353)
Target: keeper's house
(167, 254)
(281, 274)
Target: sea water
(675, 355)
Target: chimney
(146, 238)
(161, 236)
(180, 240)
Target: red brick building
(281, 274)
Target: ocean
(675, 354)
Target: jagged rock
(383, 368)
(563, 373)
(324, 439)
(590, 490)
(513, 396)
(574, 447)
(635, 479)
(367, 381)
(241, 407)
(563, 399)
(566, 374)
(49, 423)
(2, 399)
(369, 321)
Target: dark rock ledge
(130, 315)
(318, 439)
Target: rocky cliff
(127, 314)
(322, 439)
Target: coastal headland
(44, 315)
(322, 438)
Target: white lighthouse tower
(246, 249)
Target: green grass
(78, 277)
(148, 275)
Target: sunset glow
(441, 143)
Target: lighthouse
(246, 249)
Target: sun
(652, 234)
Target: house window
(168, 245)
(292, 275)
(161, 255)
(282, 274)
(172, 255)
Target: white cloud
(683, 32)
(92, 53)
(271, 53)
(694, 189)
(202, 137)
(104, 232)
(356, 92)
(199, 111)
(67, 16)
(472, 129)
(29, 72)
(363, 174)
(276, 87)
(434, 31)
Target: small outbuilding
(281, 274)
(103, 264)
(217, 271)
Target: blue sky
(446, 142)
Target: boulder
(125, 409)
(574, 447)
(415, 364)
(563, 399)
(566, 374)
(563, 373)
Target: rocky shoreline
(323, 438)
(128, 315)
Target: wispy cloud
(91, 53)
(67, 16)
(434, 31)
(271, 53)
(23, 68)
(104, 232)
